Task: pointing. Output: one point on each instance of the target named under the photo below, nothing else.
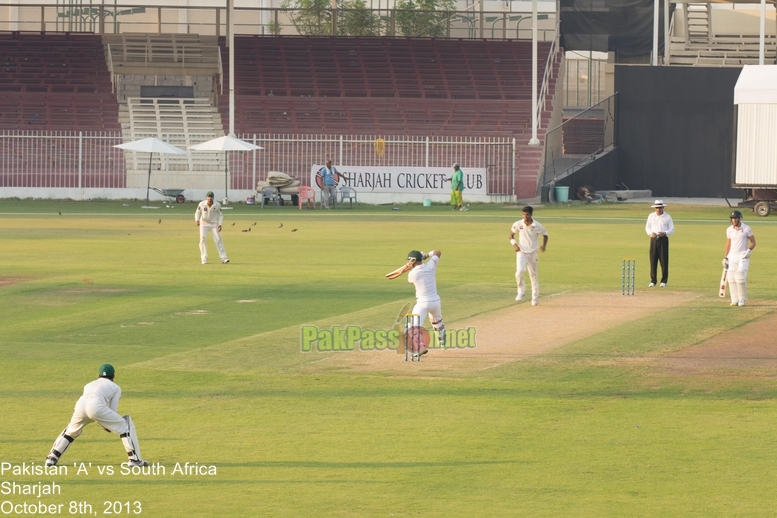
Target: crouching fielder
(528, 230)
(424, 277)
(99, 403)
(740, 242)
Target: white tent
(755, 97)
(757, 84)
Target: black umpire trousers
(659, 253)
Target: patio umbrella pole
(226, 176)
(148, 186)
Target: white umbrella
(151, 146)
(225, 143)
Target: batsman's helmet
(735, 214)
(107, 370)
(415, 255)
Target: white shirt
(662, 223)
(739, 237)
(104, 391)
(528, 235)
(209, 215)
(424, 276)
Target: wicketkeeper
(424, 277)
(99, 403)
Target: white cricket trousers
(737, 279)
(94, 409)
(216, 239)
(522, 262)
(431, 308)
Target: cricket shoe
(741, 302)
(519, 297)
(137, 463)
(51, 460)
(734, 304)
(535, 302)
(225, 261)
(652, 285)
(663, 285)
(464, 209)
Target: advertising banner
(402, 180)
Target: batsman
(424, 277)
(99, 403)
(740, 242)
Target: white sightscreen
(756, 163)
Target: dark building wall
(675, 129)
(601, 174)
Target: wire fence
(90, 160)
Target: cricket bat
(399, 271)
(722, 291)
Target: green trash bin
(562, 193)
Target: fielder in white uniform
(209, 218)
(737, 259)
(528, 230)
(424, 277)
(99, 403)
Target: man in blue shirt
(328, 191)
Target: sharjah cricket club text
(351, 338)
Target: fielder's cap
(107, 370)
(659, 203)
(735, 214)
(209, 195)
(415, 255)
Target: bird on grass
(245, 230)
(160, 221)
(254, 224)
(294, 230)
(280, 226)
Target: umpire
(659, 227)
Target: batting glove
(748, 253)
(725, 262)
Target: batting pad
(62, 442)
(130, 440)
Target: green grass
(209, 362)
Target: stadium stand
(382, 86)
(55, 82)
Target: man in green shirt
(457, 185)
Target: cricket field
(592, 404)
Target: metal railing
(579, 140)
(120, 59)
(549, 71)
(89, 160)
(66, 160)
(584, 82)
(105, 19)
